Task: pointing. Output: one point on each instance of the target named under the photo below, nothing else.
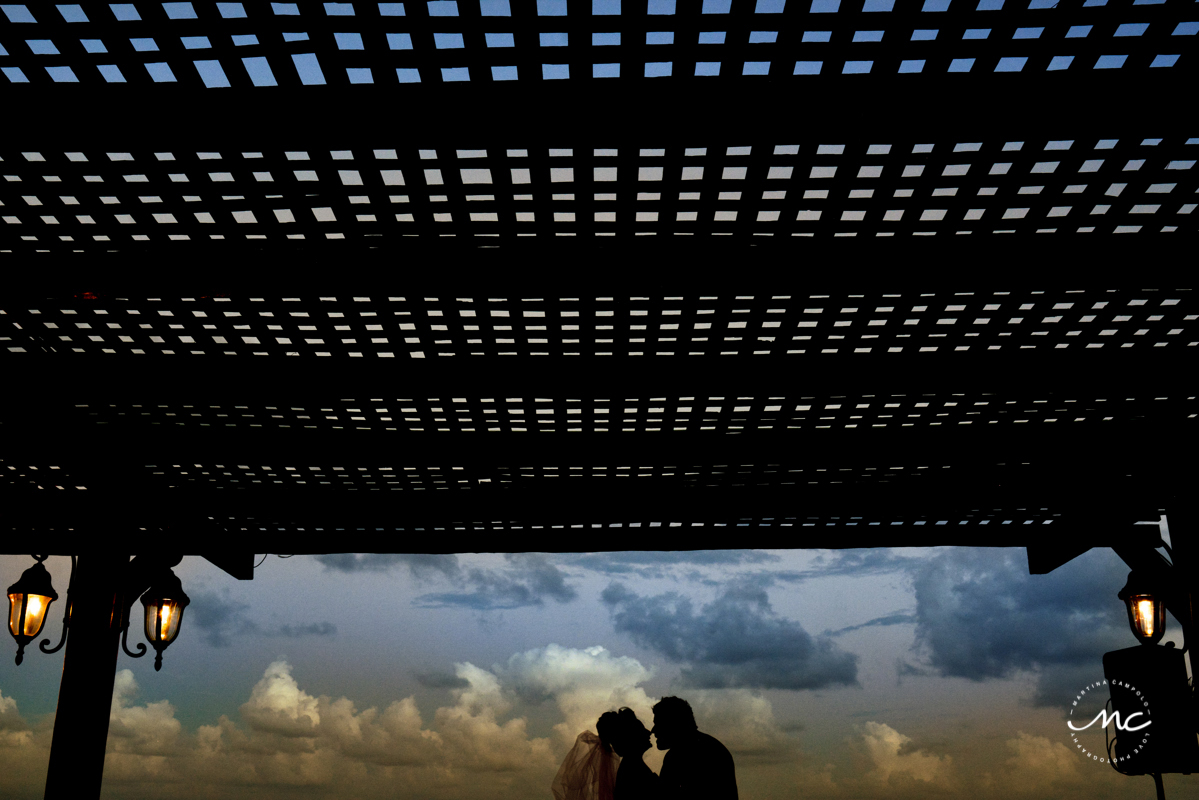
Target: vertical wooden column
(88, 673)
(1182, 516)
(1183, 520)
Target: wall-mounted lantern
(164, 601)
(30, 597)
(1146, 609)
(28, 601)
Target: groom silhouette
(698, 765)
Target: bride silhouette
(590, 772)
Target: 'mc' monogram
(1126, 725)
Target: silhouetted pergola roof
(264, 281)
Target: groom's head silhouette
(674, 722)
(698, 765)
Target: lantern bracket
(141, 647)
(66, 616)
(141, 573)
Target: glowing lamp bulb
(164, 624)
(1145, 616)
(33, 609)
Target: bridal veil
(588, 772)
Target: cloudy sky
(938, 672)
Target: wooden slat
(80, 378)
(654, 266)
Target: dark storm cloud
(979, 614)
(442, 680)
(527, 581)
(851, 563)
(735, 641)
(545, 579)
(1058, 684)
(421, 565)
(220, 619)
(868, 561)
(906, 668)
(652, 564)
(297, 631)
(890, 619)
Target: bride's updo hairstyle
(615, 726)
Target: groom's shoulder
(711, 744)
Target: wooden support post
(89, 670)
(1182, 516)
(1183, 521)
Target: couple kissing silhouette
(610, 766)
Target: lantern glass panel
(1147, 616)
(162, 620)
(14, 613)
(35, 613)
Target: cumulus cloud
(395, 737)
(14, 730)
(290, 740)
(24, 752)
(889, 764)
(583, 684)
(744, 722)
(473, 732)
(10, 716)
(283, 718)
(980, 615)
(278, 705)
(469, 734)
(220, 618)
(150, 729)
(735, 641)
(1037, 763)
(892, 758)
